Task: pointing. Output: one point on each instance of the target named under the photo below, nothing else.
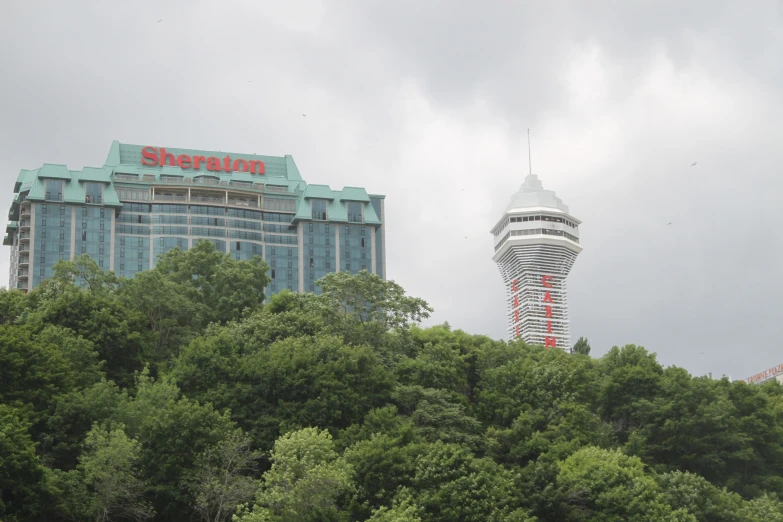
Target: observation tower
(536, 244)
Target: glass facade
(52, 240)
(321, 258)
(125, 216)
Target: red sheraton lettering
(153, 156)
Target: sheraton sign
(158, 157)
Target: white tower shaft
(536, 244)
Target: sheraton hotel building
(147, 200)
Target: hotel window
(363, 245)
(84, 223)
(122, 240)
(62, 222)
(62, 234)
(93, 193)
(273, 273)
(141, 241)
(141, 267)
(354, 212)
(311, 227)
(62, 210)
(84, 211)
(54, 189)
(346, 230)
(43, 210)
(319, 209)
(290, 275)
(290, 252)
(43, 222)
(43, 233)
(363, 229)
(311, 239)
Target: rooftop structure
(536, 243)
(146, 200)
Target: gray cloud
(429, 102)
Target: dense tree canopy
(183, 394)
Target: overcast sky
(419, 100)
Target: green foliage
(582, 346)
(21, 474)
(109, 466)
(178, 395)
(306, 478)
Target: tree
(110, 469)
(21, 474)
(218, 481)
(364, 306)
(169, 313)
(84, 271)
(224, 287)
(608, 486)
(400, 513)
(12, 303)
(305, 481)
(581, 347)
(173, 431)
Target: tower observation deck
(536, 244)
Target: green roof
(319, 192)
(354, 194)
(54, 171)
(97, 174)
(370, 217)
(279, 172)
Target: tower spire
(529, 160)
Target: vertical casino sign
(550, 341)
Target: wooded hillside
(178, 395)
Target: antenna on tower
(529, 160)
